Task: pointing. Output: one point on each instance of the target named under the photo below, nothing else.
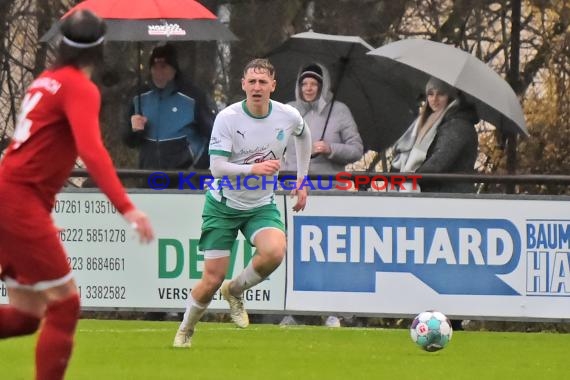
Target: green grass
(141, 350)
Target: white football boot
(237, 310)
(183, 338)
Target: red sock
(14, 322)
(55, 341)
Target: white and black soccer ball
(431, 330)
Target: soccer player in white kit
(246, 148)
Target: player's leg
(216, 265)
(219, 231)
(217, 237)
(266, 231)
(238, 314)
(39, 279)
(270, 244)
(23, 315)
(55, 342)
(58, 306)
(40, 285)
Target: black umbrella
(381, 111)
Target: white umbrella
(413, 61)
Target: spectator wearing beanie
(336, 141)
(312, 71)
(170, 123)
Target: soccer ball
(431, 330)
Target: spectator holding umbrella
(170, 123)
(336, 141)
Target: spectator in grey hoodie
(336, 141)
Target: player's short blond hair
(260, 64)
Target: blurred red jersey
(59, 120)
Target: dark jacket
(453, 150)
(178, 129)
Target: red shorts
(30, 250)
(39, 262)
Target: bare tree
(484, 28)
(18, 59)
(260, 26)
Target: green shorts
(220, 223)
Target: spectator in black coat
(442, 139)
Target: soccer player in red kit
(58, 121)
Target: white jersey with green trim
(245, 140)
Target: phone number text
(112, 264)
(102, 292)
(94, 235)
(75, 206)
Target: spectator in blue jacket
(170, 123)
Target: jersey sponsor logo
(451, 256)
(259, 157)
(258, 150)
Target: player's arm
(220, 166)
(303, 146)
(220, 151)
(81, 106)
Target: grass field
(125, 350)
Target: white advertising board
(367, 255)
(384, 255)
(113, 270)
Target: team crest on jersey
(280, 135)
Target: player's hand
(302, 194)
(140, 223)
(269, 167)
(138, 122)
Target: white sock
(193, 313)
(248, 278)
